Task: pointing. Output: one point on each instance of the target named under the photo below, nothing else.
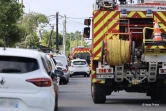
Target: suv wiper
(10, 70)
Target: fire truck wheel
(163, 96)
(98, 93)
(154, 97)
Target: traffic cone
(157, 33)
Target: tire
(163, 96)
(68, 80)
(98, 94)
(154, 97)
(70, 75)
(85, 75)
(88, 75)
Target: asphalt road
(76, 96)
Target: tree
(76, 40)
(30, 22)
(10, 12)
(46, 38)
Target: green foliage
(32, 20)
(1, 43)
(29, 23)
(46, 38)
(76, 40)
(10, 12)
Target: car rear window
(10, 64)
(79, 63)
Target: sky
(71, 8)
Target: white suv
(79, 67)
(25, 84)
(62, 58)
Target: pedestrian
(52, 57)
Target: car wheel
(85, 75)
(70, 75)
(68, 80)
(88, 75)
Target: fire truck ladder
(152, 71)
(119, 73)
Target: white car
(79, 67)
(25, 84)
(61, 58)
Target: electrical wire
(76, 22)
(77, 18)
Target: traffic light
(87, 22)
(86, 32)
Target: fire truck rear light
(109, 70)
(104, 70)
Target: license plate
(8, 103)
(104, 76)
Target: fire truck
(128, 48)
(81, 52)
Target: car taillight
(65, 71)
(40, 82)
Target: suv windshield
(10, 64)
(79, 63)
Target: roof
(19, 52)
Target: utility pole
(70, 44)
(64, 35)
(57, 36)
(22, 3)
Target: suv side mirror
(87, 22)
(86, 32)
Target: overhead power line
(75, 21)
(77, 18)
